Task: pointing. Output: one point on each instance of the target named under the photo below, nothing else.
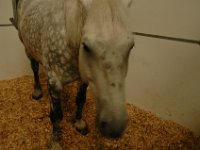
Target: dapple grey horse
(86, 40)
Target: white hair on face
(107, 13)
(127, 2)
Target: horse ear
(86, 3)
(127, 2)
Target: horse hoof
(83, 131)
(37, 94)
(54, 146)
(81, 126)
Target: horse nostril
(111, 129)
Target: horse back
(51, 34)
(33, 16)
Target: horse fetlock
(37, 93)
(56, 135)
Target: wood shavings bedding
(25, 123)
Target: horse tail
(14, 20)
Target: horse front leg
(79, 123)
(55, 114)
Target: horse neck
(74, 13)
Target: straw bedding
(25, 124)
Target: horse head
(103, 61)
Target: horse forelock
(103, 14)
(107, 14)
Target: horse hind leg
(78, 122)
(37, 93)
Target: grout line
(168, 38)
(5, 25)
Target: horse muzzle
(112, 127)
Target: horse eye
(86, 48)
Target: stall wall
(163, 77)
(13, 61)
